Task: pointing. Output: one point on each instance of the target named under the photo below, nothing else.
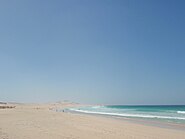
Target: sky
(93, 51)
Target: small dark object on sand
(7, 107)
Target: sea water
(169, 113)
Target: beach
(41, 121)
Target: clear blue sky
(93, 51)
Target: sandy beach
(39, 121)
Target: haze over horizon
(108, 51)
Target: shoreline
(148, 122)
(38, 121)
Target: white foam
(181, 112)
(129, 115)
(96, 107)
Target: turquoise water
(174, 113)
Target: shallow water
(173, 113)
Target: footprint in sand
(3, 135)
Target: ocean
(167, 113)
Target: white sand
(36, 121)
